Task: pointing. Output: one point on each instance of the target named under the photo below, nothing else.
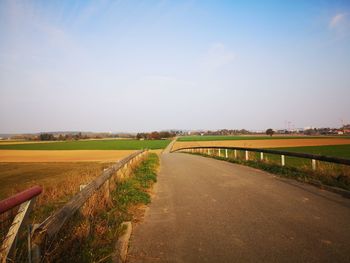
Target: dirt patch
(63, 156)
(264, 143)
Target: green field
(230, 138)
(328, 173)
(342, 151)
(90, 145)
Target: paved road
(205, 210)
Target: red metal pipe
(17, 199)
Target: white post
(246, 156)
(219, 152)
(209, 151)
(235, 154)
(283, 160)
(313, 162)
(226, 154)
(262, 156)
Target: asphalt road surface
(205, 210)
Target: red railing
(17, 199)
(15, 210)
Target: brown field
(265, 143)
(9, 142)
(63, 155)
(57, 179)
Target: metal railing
(24, 201)
(312, 157)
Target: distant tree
(311, 131)
(77, 136)
(270, 132)
(165, 134)
(141, 135)
(154, 136)
(46, 137)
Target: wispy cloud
(218, 56)
(339, 25)
(337, 20)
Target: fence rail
(312, 157)
(46, 232)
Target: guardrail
(24, 200)
(45, 233)
(312, 157)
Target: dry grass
(63, 155)
(91, 236)
(60, 181)
(9, 142)
(264, 143)
(57, 179)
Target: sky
(154, 65)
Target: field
(342, 151)
(63, 155)
(327, 173)
(247, 137)
(57, 179)
(271, 143)
(70, 163)
(299, 168)
(89, 145)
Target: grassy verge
(95, 231)
(327, 174)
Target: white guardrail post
(235, 154)
(226, 155)
(261, 156)
(283, 160)
(313, 162)
(246, 155)
(219, 152)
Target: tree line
(155, 135)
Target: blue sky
(151, 65)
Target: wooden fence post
(9, 243)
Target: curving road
(205, 210)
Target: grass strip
(340, 179)
(93, 237)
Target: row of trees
(61, 137)
(155, 135)
(78, 136)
